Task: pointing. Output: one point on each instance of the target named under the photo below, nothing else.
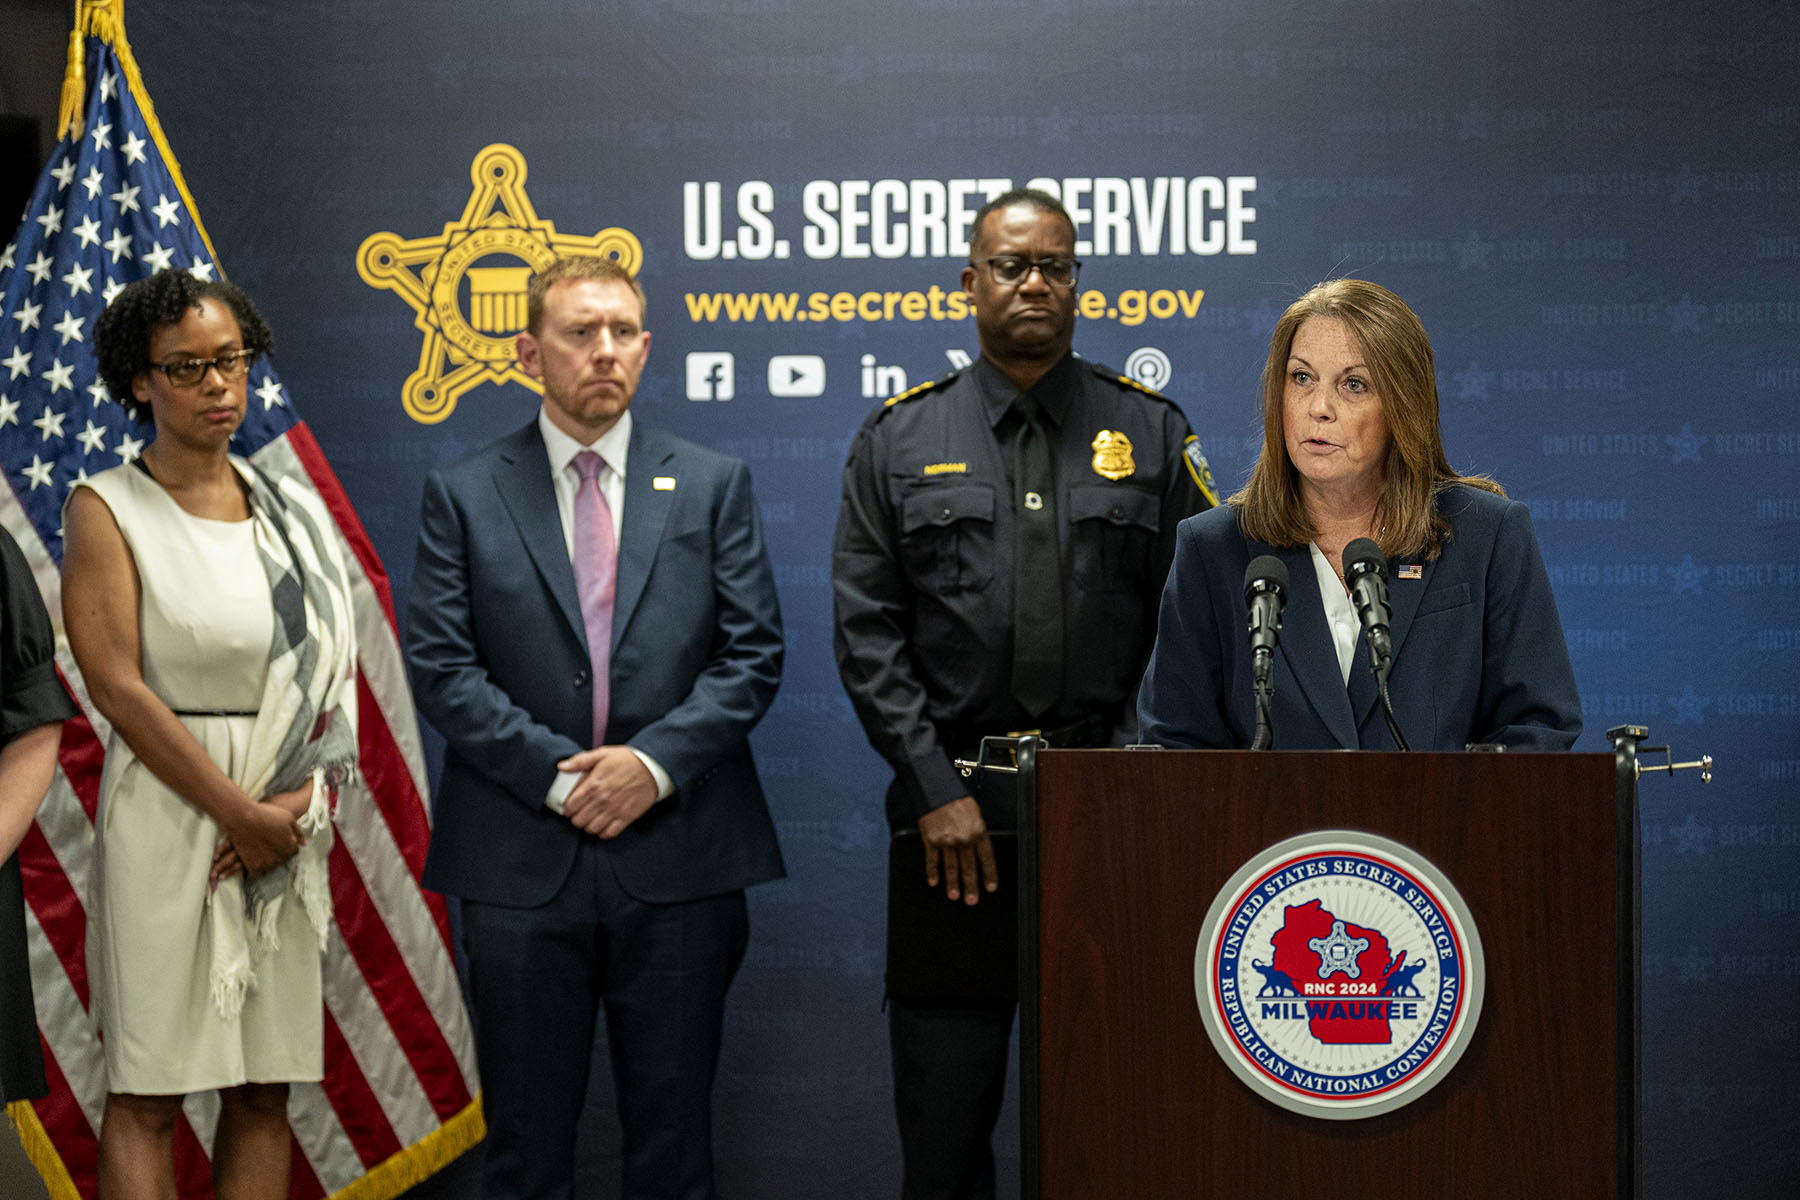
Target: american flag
(400, 1098)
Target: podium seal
(1339, 974)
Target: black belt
(1089, 731)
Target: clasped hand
(262, 836)
(616, 788)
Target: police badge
(1112, 455)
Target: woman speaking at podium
(1452, 590)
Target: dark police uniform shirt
(922, 565)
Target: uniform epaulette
(911, 393)
(1111, 376)
(918, 390)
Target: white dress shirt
(1340, 614)
(561, 449)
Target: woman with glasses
(208, 609)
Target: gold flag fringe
(41, 1151)
(419, 1161)
(407, 1169)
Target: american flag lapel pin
(1411, 571)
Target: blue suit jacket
(500, 668)
(1478, 649)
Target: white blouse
(1340, 614)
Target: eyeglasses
(1010, 269)
(190, 371)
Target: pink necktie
(596, 572)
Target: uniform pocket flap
(1114, 504)
(945, 506)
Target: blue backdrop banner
(1595, 209)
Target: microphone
(1265, 593)
(1365, 570)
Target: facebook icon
(709, 375)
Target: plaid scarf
(305, 726)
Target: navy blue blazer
(1479, 654)
(499, 666)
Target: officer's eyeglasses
(190, 371)
(1010, 270)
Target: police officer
(999, 559)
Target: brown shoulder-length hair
(1398, 356)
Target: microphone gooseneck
(1265, 594)
(1365, 571)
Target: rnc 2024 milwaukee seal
(1339, 974)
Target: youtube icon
(796, 375)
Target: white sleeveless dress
(205, 622)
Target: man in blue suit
(593, 629)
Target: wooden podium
(1123, 851)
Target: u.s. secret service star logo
(467, 285)
(1339, 974)
(1339, 952)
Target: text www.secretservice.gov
(1132, 306)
